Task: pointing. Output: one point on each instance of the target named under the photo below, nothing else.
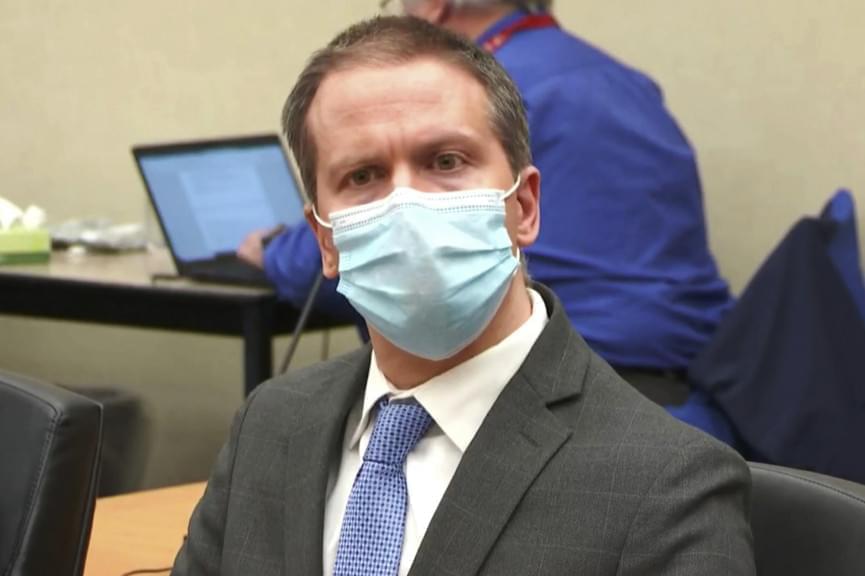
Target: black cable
(301, 323)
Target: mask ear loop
(505, 196)
(512, 189)
(319, 219)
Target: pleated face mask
(428, 270)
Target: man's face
(424, 124)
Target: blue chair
(842, 246)
(787, 364)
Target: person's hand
(251, 250)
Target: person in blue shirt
(623, 239)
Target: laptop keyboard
(229, 271)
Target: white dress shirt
(458, 401)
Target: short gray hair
(392, 40)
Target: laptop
(209, 194)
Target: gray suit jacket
(572, 472)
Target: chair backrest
(806, 523)
(50, 442)
(786, 363)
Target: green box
(19, 246)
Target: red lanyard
(527, 22)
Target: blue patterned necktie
(370, 542)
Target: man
(479, 434)
(624, 242)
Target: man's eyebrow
(427, 142)
(335, 169)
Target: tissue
(23, 237)
(10, 214)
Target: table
(120, 289)
(141, 530)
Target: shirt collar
(458, 400)
(500, 25)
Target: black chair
(806, 523)
(50, 442)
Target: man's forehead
(422, 80)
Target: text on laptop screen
(210, 199)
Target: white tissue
(33, 217)
(11, 215)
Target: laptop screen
(210, 195)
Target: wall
(769, 92)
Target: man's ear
(329, 255)
(528, 199)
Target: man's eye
(447, 162)
(361, 177)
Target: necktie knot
(398, 427)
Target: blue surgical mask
(428, 270)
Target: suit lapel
(516, 440)
(312, 442)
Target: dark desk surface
(118, 289)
